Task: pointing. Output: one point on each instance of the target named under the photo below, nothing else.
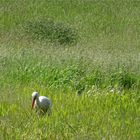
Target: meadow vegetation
(84, 55)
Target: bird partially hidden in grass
(41, 104)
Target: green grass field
(83, 55)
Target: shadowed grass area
(48, 30)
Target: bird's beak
(33, 102)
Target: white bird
(42, 104)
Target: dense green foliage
(84, 55)
(48, 30)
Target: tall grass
(46, 29)
(96, 116)
(94, 83)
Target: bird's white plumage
(42, 104)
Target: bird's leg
(49, 111)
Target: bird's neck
(37, 101)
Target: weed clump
(123, 79)
(49, 30)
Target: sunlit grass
(93, 116)
(94, 85)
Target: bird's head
(34, 97)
